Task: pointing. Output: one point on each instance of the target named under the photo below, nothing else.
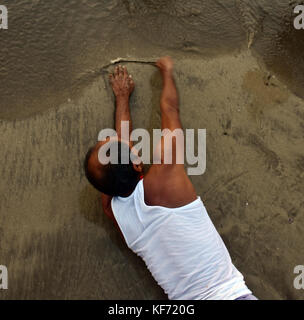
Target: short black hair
(113, 179)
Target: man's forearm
(169, 97)
(169, 103)
(123, 86)
(122, 113)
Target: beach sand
(54, 238)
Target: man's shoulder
(168, 186)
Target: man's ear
(138, 167)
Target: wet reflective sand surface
(50, 46)
(239, 70)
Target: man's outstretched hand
(122, 83)
(165, 64)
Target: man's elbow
(170, 104)
(170, 110)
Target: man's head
(112, 179)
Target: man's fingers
(125, 72)
(121, 79)
(131, 82)
(116, 71)
(111, 78)
(120, 71)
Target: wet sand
(53, 237)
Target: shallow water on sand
(51, 46)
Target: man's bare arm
(123, 86)
(169, 103)
(170, 119)
(167, 184)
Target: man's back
(180, 247)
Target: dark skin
(165, 185)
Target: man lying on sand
(159, 214)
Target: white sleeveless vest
(180, 247)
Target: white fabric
(180, 247)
